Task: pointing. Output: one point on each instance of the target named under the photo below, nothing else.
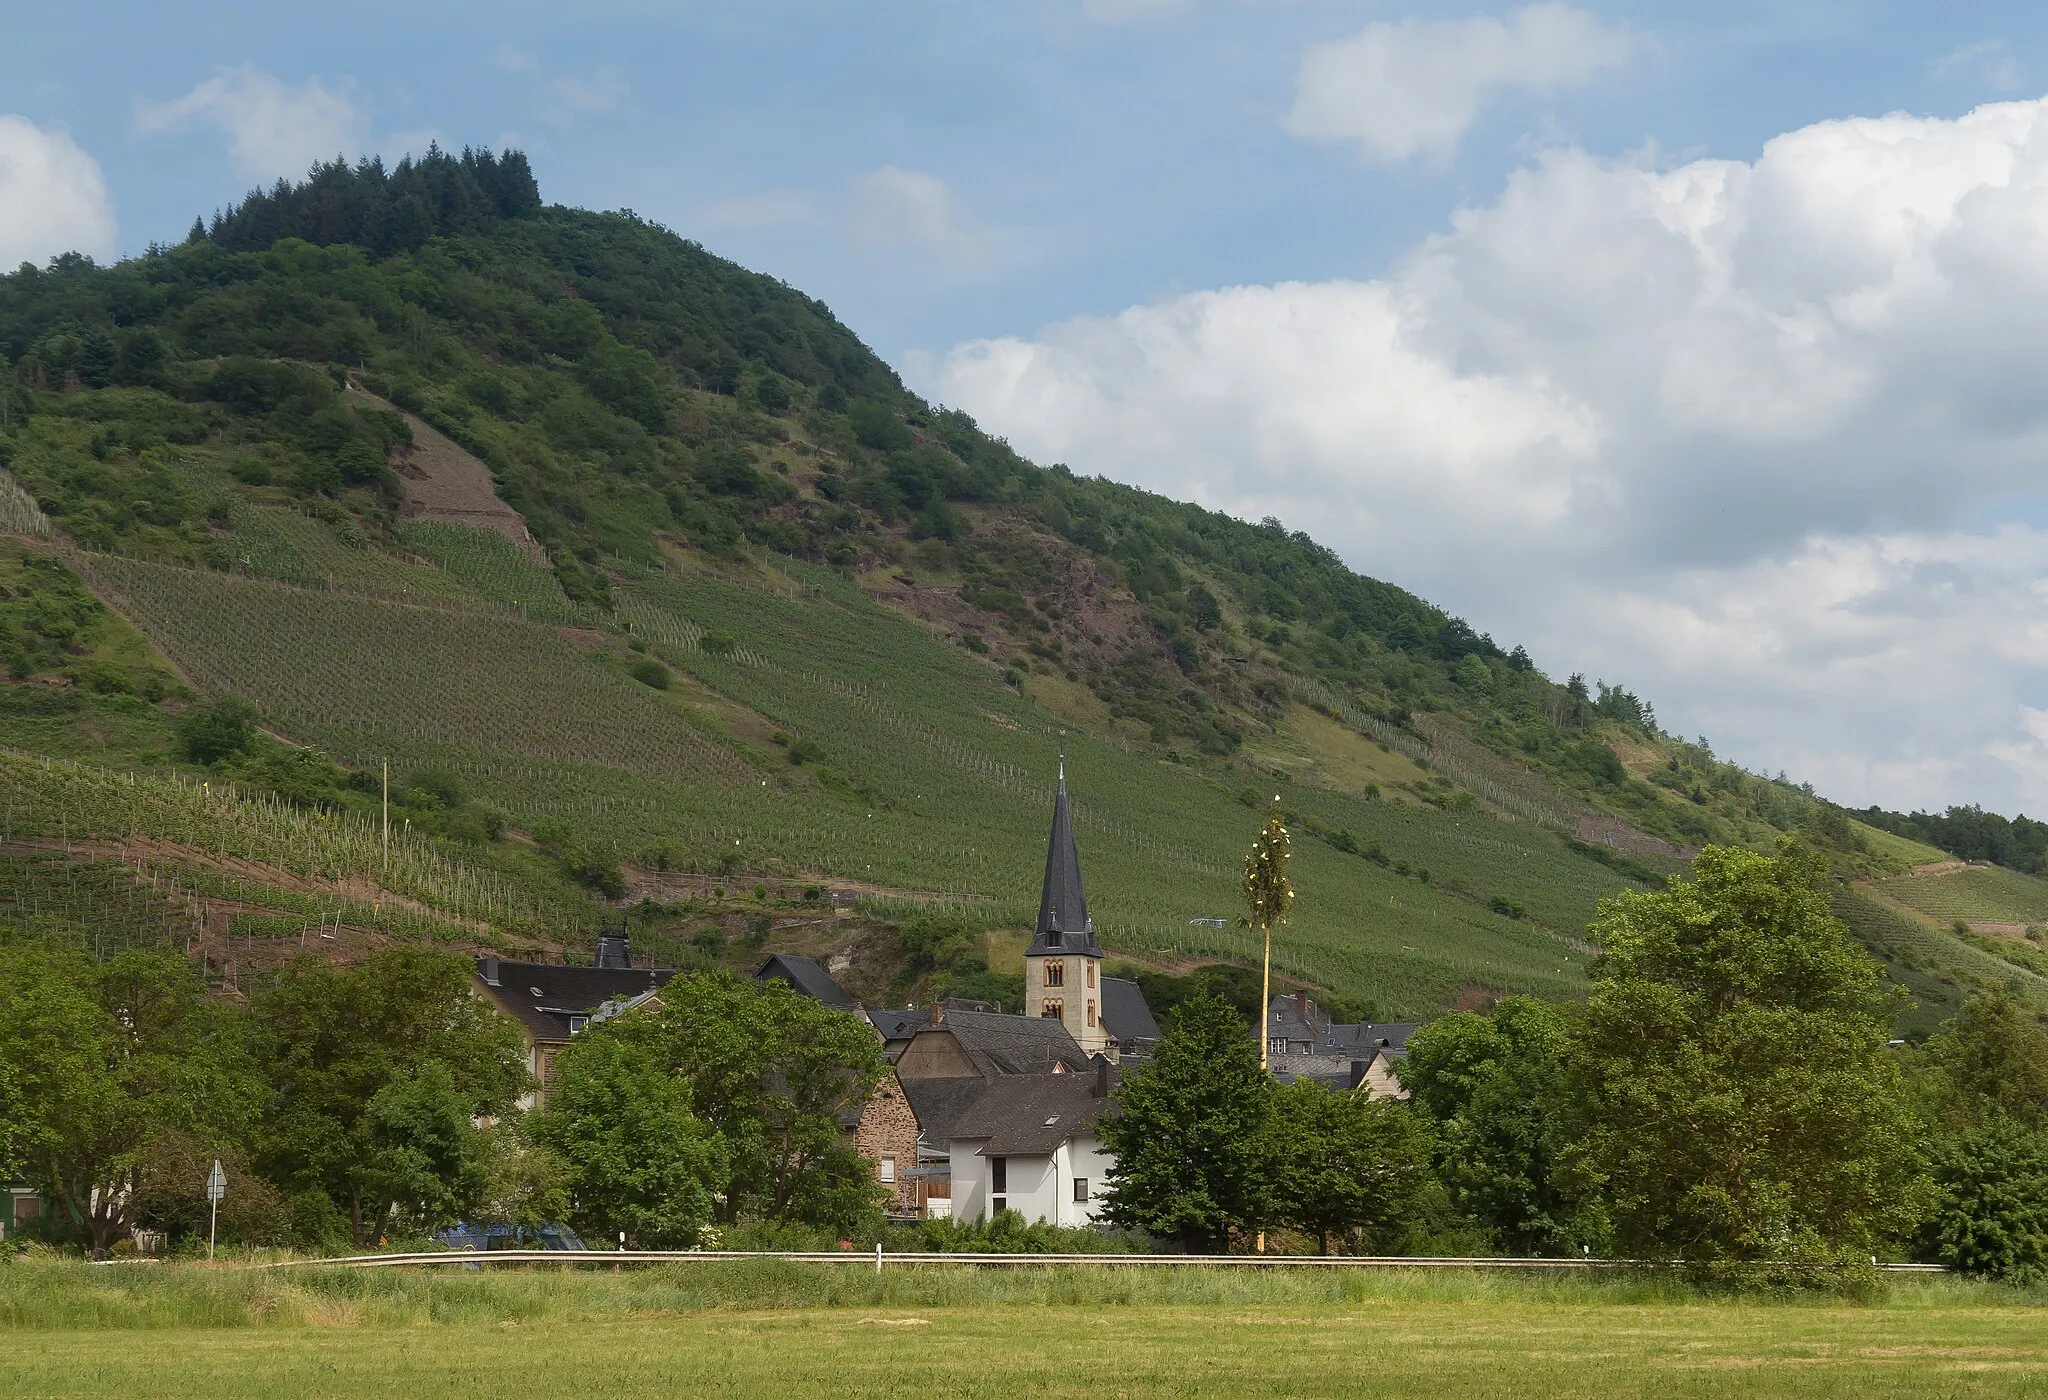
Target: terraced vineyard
(1980, 894)
(931, 773)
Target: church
(1063, 964)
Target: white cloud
(594, 90)
(52, 197)
(1731, 432)
(273, 128)
(514, 61)
(910, 212)
(893, 216)
(1990, 64)
(1412, 87)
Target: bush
(650, 672)
(223, 729)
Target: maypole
(1268, 895)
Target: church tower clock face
(1062, 976)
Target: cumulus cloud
(1990, 63)
(1729, 431)
(274, 128)
(1411, 87)
(52, 197)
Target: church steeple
(1063, 925)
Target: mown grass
(763, 1328)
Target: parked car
(478, 1237)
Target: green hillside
(779, 627)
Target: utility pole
(384, 872)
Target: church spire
(1063, 923)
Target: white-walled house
(1028, 1143)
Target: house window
(26, 1210)
(1091, 974)
(1280, 1046)
(999, 1174)
(577, 1023)
(1056, 972)
(1053, 937)
(1080, 1190)
(1091, 1012)
(885, 1170)
(1051, 1008)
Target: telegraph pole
(216, 1187)
(384, 872)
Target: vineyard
(1980, 894)
(923, 770)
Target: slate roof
(895, 1026)
(938, 1104)
(1125, 1013)
(1285, 1019)
(1031, 1115)
(1063, 924)
(807, 976)
(1002, 1044)
(542, 996)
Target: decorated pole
(1268, 895)
(216, 1187)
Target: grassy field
(1080, 1330)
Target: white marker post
(216, 1187)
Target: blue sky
(1602, 324)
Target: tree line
(1729, 1095)
(353, 1105)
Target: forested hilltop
(727, 604)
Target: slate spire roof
(1063, 923)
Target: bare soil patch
(442, 482)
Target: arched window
(1055, 972)
(1053, 1009)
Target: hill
(653, 586)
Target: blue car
(477, 1238)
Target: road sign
(216, 1182)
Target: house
(986, 1044)
(1303, 1043)
(806, 976)
(20, 1211)
(1128, 1018)
(1028, 1143)
(551, 1003)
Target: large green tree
(771, 1070)
(103, 1064)
(1495, 1087)
(1345, 1164)
(376, 1072)
(640, 1163)
(1192, 1135)
(1739, 1100)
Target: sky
(1699, 348)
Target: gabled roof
(806, 976)
(893, 1026)
(1125, 1013)
(1001, 1044)
(543, 996)
(938, 1103)
(1063, 924)
(1031, 1115)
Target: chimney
(938, 1013)
(1301, 1002)
(490, 971)
(1101, 1090)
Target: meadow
(763, 1328)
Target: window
(1280, 1045)
(1091, 1011)
(577, 1023)
(999, 1174)
(1053, 937)
(1091, 974)
(885, 1171)
(27, 1209)
(1052, 1008)
(1080, 1190)
(1056, 972)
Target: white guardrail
(880, 1258)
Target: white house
(1028, 1143)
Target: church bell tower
(1063, 965)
